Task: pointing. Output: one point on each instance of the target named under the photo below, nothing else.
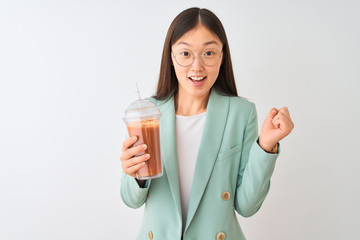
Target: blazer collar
(169, 149)
(216, 116)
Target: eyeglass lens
(209, 57)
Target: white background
(68, 71)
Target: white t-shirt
(188, 136)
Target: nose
(197, 65)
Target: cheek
(180, 74)
(214, 73)
(180, 71)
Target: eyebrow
(205, 44)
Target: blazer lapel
(216, 116)
(169, 149)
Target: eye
(210, 53)
(184, 53)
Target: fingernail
(147, 156)
(133, 138)
(143, 146)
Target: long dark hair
(184, 22)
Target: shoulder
(157, 102)
(239, 108)
(240, 105)
(234, 101)
(166, 106)
(241, 102)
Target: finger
(128, 143)
(284, 125)
(276, 122)
(129, 153)
(133, 169)
(285, 114)
(279, 119)
(285, 110)
(289, 124)
(135, 160)
(272, 113)
(276, 118)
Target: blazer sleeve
(131, 193)
(256, 168)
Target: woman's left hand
(277, 125)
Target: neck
(187, 105)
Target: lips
(197, 80)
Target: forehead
(197, 37)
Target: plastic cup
(142, 119)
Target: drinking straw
(138, 90)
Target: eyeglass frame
(193, 59)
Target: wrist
(274, 150)
(141, 183)
(269, 148)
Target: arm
(256, 168)
(133, 191)
(132, 194)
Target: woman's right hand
(129, 163)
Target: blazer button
(150, 235)
(220, 236)
(225, 195)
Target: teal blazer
(232, 173)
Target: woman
(214, 161)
